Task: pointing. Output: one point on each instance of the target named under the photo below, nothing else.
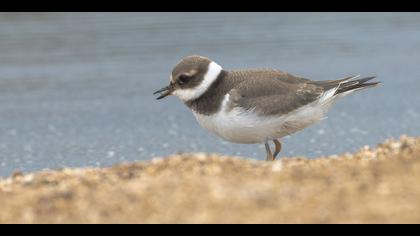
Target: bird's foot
(278, 148)
(271, 156)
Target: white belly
(241, 126)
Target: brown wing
(273, 92)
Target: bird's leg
(269, 155)
(278, 148)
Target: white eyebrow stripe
(193, 93)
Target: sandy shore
(380, 185)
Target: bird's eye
(183, 79)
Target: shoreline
(373, 185)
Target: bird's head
(190, 78)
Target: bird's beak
(166, 91)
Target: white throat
(193, 93)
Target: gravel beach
(373, 185)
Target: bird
(254, 106)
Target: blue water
(76, 88)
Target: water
(76, 88)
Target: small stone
(395, 145)
(156, 160)
(28, 178)
(277, 166)
(201, 156)
(17, 174)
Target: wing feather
(273, 92)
